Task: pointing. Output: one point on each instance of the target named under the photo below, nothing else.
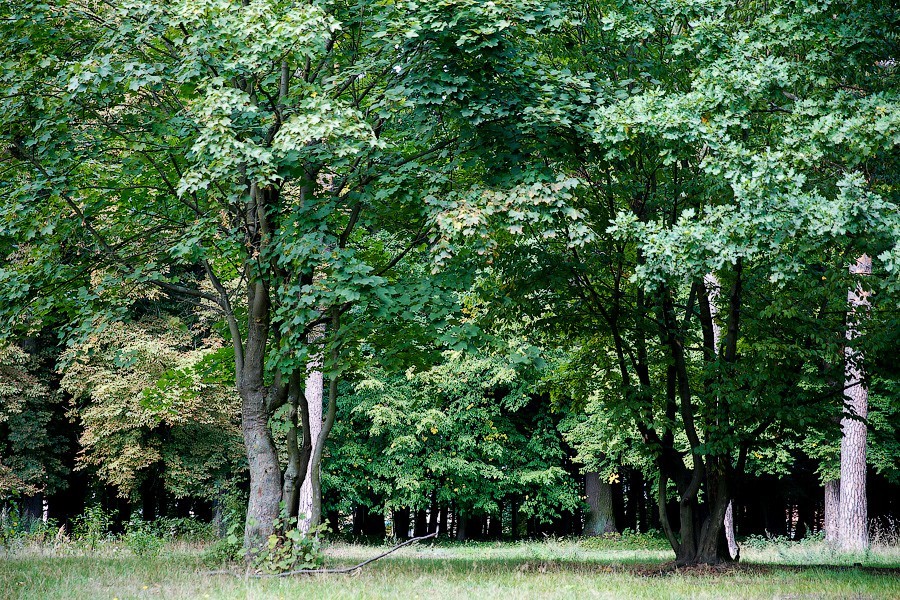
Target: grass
(551, 569)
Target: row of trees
(309, 204)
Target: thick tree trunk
(600, 518)
(495, 526)
(265, 470)
(705, 536)
(832, 510)
(462, 526)
(443, 522)
(853, 535)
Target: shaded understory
(545, 570)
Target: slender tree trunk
(832, 510)
(296, 467)
(601, 518)
(733, 549)
(853, 509)
(314, 394)
(433, 514)
(401, 518)
(713, 290)
(421, 524)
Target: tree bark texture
(832, 510)
(853, 509)
(601, 518)
(314, 392)
(265, 470)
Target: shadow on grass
(630, 566)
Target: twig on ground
(341, 570)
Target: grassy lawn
(474, 571)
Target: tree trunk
(832, 510)
(401, 518)
(711, 283)
(298, 453)
(314, 394)
(495, 526)
(433, 514)
(601, 518)
(360, 514)
(442, 522)
(853, 535)
(733, 549)
(265, 470)
(462, 523)
(421, 524)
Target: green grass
(565, 569)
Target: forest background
(487, 269)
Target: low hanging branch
(353, 568)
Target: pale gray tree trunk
(853, 535)
(314, 391)
(601, 518)
(711, 282)
(832, 510)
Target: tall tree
(853, 520)
(254, 155)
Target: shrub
(91, 527)
(142, 538)
(185, 529)
(289, 549)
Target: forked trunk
(703, 539)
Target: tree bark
(733, 549)
(601, 518)
(832, 510)
(853, 509)
(265, 470)
(713, 290)
(400, 522)
(313, 393)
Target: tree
(718, 139)
(30, 419)
(230, 152)
(154, 403)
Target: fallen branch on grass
(339, 571)
(353, 568)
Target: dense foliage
(525, 259)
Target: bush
(142, 538)
(289, 549)
(92, 527)
(228, 549)
(185, 529)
